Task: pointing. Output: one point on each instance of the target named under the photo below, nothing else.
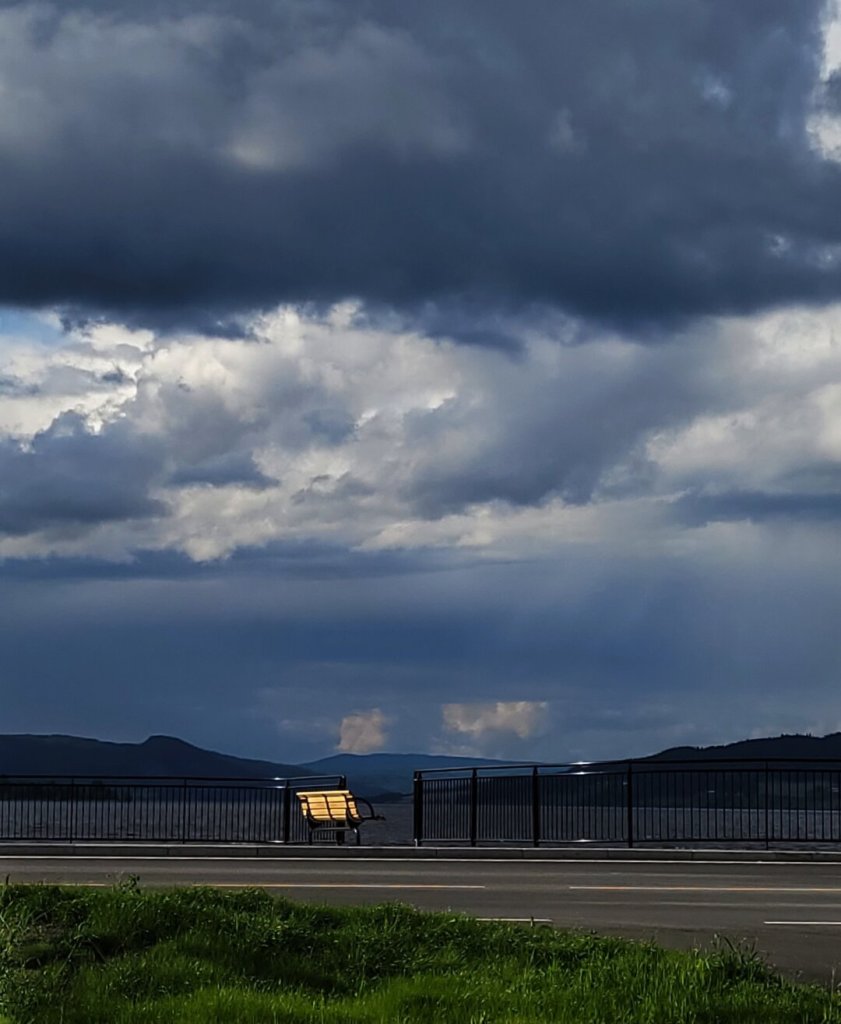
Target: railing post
(629, 785)
(767, 830)
(286, 812)
(474, 801)
(417, 808)
(535, 807)
(340, 836)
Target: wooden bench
(335, 810)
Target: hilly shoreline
(384, 777)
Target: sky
(460, 377)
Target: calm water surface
(208, 821)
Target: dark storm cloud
(574, 431)
(12, 387)
(805, 494)
(69, 478)
(758, 506)
(290, 560)
(221, 470)
(628, 161)
(832, 93)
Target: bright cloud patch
(521, 717)
(363, 732)
(333, 429)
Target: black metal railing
(158, 809)
(631, 802)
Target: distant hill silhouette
(769, 747)
(158, 755)
(371, 775)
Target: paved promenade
(788, 905)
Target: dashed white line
(518, 920)
(297, 885)
(807, 924)
(616, 862)
(759, 889)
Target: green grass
(133, 956)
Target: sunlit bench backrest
(328, 805)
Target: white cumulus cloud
(521, 717)
(363, 732)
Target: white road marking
(294, 885)
(614, 861)
(341, 885)
(706, 888)
(518, 920)
(808, 924)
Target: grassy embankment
(133, 956)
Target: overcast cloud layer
(633, 162)
(457, 377)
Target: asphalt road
(791, 912)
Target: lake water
(165, 820)
(209, 821)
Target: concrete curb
(147, 850)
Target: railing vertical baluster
(629, 785)
(474, 804)
(72, 815)
(535, 807)
(184, 811)
(805, 812)
(822, 791)
(737, 778)
(286, 812)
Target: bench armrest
(372, 815)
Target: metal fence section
(631, 802)
(187, 810)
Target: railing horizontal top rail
(153, 780)
(637, 764)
